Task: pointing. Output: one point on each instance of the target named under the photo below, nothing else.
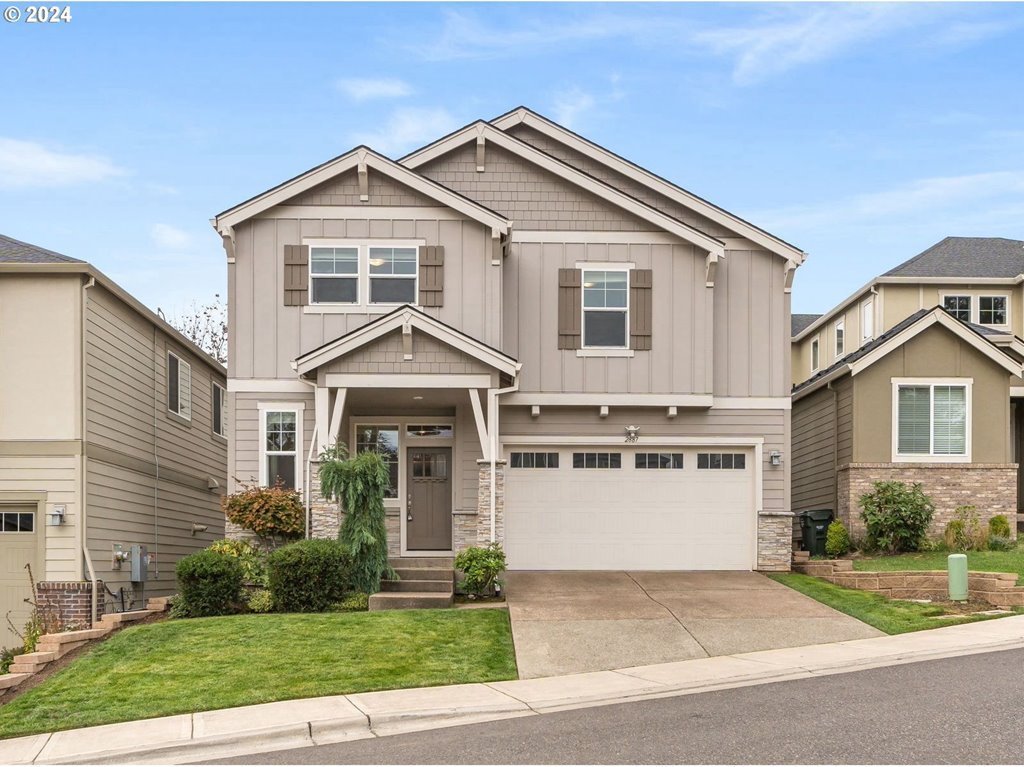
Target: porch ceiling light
(417, 396)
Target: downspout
(307, 496)
(493, 421)
(156, 461)
(85, 462)
(835, 448)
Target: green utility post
(957, 577)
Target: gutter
(492, 422)
(84, 517)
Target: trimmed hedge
(308, 576)
(210, 583)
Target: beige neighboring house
(555, 349)
(98, 452)
(916, 377)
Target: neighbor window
(605, 308)
(659, 460)
(179, 386)
(17, 522)
(815, 353)
(867, 320)
(393, 275)
(721, 461)
(220, 397)
(281, 448)
(597, 460)
(958, 306)
(992, 310)
(931, 420)
(334, 275)
(383, 440)
(840, 338)
(534, 461)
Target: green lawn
(178, 666)
(889, 615)
(984, 561)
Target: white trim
(838, 327)
(602, 351)
(407, 381)
(975, 297)
(608, 266)
(215, 387)
(866, 309)
(526, 439)
(815, 351)
(899, 280)
(998, 326)
(481, 425)
(570, 174)
(628, 169)
(283, 407)
(362, 304)
(365, 212)
(184, 373)
(753, 403)
(573, 399)
(598, 266)
(572, 237)
(840, 308)
(267, 386)
(931, 457)
(943, 295)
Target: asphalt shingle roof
(798, 322)
(17, 252)
(966, 257)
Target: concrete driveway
(567, 622)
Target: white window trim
(975, 310)
(602, 351)
(839, 327)
(970, 309)
(362, 304)
(186, 369)
(216, 390)
(868, 305)
(897, 457)
(283, 407)
(815, 342)
(990, 294)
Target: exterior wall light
(57, 514)
(776, 458)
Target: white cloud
(570, 105)
(170, 237)
(26, 164)
(408, 128)
(367, 88)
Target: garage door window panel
(723, 461)
(658, 461)
(597, 460)
(17, 522)
(534, 460)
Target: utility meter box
(140, 563)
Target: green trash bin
(814, 529)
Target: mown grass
(984, 561)
(179, 666)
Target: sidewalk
(318, 721)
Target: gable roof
(984, 257)
(899, 334)
(396, 320)
(361, 156)
(798, 322)
(14, 251)
(524, 116)
(552, 164)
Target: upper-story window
(393, 275)
(605, 308)
(361, 274)
(815, 353)
(867, 320)
(958, 306)
(334, 275)
(179, 386)
(219, 409)
(840, 338)
(992, 310)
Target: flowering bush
(270, 512)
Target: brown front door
(428, 510)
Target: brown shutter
(296, 275)
(640, 313)
(431, 275)
(570, 298)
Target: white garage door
(608, 508)
(18, 547)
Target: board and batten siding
(814, 461)
(267, 336)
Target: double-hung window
(840, 338)
(932, 420)
(605, 308)
(392, 275)
(361, 274)
(958, 306)
(179, 386)
(992, 310)
(219, 410)
(280, 448)
(867, 321)
(815, 353)
(334, 275)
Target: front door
(428, 507)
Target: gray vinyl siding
(267, 336)
(814, 451)
(532, 197)
(772, 425)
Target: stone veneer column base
(325, 516)
(990, 487)
(483, 506)
(65, 605)
(774, 541)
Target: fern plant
(359, 483)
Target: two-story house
(916, 377)
(113, 443)
(555, 349)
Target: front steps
(423, 583)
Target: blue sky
(861, 133)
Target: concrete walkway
(570, 622)
(318, 721)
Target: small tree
(837, 539)
(270, 512)
(359, 484)
(896, 516)
(206, 325)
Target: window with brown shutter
(640, 309)
(570, 299)
(296, 275)
(431, 287)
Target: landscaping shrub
(252, 560)
(359, 484)
(1001, 543)
(481, 567)
(999, 526)
(837, 539)
(270, 512)
(259, 601)
(210, 584)
(6, 659)
(896, 516)
(308, 576)
(356, 602)
(964, 531)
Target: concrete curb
(318, 721)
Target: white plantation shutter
(914, 420)
(950, 426)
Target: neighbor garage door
(18, 547)
(607, 508)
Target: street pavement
(962, 710)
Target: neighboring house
(97, 449)
(516, 302)
(943, 409)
